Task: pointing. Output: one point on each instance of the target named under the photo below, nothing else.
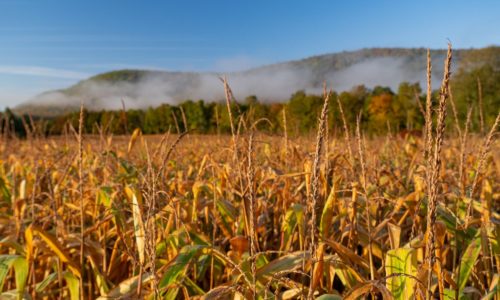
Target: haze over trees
(475, 84)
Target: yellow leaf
(394, 235)
(57, 248)
(133, 139)
(28, 236)
(139, 231)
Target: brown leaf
(239, 244)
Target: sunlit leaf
(401, 269)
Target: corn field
(338, 215)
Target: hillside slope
(276, 82)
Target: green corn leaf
(40, 286)
(293, 217)
(126, 287)
(327, 215)
(73, 284)
(400, 264)
(21, 269)
(287, 262)
(468, 261)
(178, 266)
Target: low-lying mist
(269, 84)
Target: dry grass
(195, 253)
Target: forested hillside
(475, 84)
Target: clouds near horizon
(42, 71)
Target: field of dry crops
(251, 216)
(178, 217)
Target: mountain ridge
(273, 82)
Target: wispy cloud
(116, 48)
(34, 36)
(42, 72)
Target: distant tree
(465, 88)
(135, 120)
(379, 90)
(110, 121)
(223, 115)
(257, 111)
(196, 116)
(276, 116)
(379, 111)
(92, 119)
(405, 109)
(353, 102)
(151, 121)
(304, 111)
(14, 123)
(251, 100)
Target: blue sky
(49, 44)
